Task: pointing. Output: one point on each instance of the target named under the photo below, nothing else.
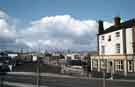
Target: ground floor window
(119, 65)
(130, 65)
(95, 64)
(103, 64)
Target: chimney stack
(100, 26)
(117, 21)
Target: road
(58, 81)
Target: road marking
(41, 74)
(20, 84)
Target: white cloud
(52, 32)
(62, 31)
(7, 31)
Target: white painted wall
(110, 46)
(129, 42)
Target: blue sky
(57, 24)
(82, 9)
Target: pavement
(15, 84)
(64, 76)
(28, 79)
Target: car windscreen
(76, 62)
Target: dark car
(4, 68)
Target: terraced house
(116, 48)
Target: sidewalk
(20, 84)
(65, 76)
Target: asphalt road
(67, 82)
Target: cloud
(51, 32)
(8, 33)
(62, 32)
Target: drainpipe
(124, 51)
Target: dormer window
(109, 38)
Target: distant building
(116, 48)
(73, 56)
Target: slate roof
(123, 25)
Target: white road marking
(20, 84)
(41, 74)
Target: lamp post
(38, 66)
(104, 74)
(38, 71)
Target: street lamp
(38, 71)
(104, 74)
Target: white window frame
(118, 48)
(102, 49)
(119, 65)
(103, 64)
(130, 65)
(95, 63)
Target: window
(77, 57)
(103, 37)
(95, 63)
(117, 48)
(103, 64)
(119, 65)
(109, 38)
(102, 49)
(69, 58)
(130, 65)
(117, 34)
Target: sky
(57, 24)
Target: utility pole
(38, 72)
(104, 79)
(104, 74)
(38, 67)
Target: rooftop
(124, 25)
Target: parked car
(73, 67)
(4, 68)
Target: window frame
(118, 48)
(103, 37)
(102, 49)
(109, 38)
(119, 65)
(117, 34)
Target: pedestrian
(10, 67)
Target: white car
(73, 67)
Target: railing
(129, 56)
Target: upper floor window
(103, 37)
(102, 49)
(109, 38)
(117, 34)
(117, 48)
